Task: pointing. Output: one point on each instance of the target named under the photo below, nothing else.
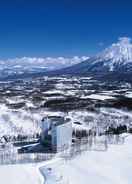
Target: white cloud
(34, 62)
(125, 40)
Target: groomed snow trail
(108, 167)
(111, 167)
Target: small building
(59, 131)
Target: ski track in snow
(111, 167)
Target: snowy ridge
(119, 53)
(116, 58)
(33, 65)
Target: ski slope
(108, 167)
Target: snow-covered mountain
(113, 62)
(117, 55)
(116, 58)
(28, 65)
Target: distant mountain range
(113, 63)
(26, 66)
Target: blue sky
(41, 28)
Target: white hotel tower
(60, 130)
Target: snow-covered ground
(13, 122)
(98, 97)
(128, 94)
(20, 174)
(109, 167)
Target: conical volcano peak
(118, 52)
(124, 41)
(116, 58)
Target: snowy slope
(118, 54)
(120, 51)
(20, 174)
(110, 167)
(116, 58)
(14, 122)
